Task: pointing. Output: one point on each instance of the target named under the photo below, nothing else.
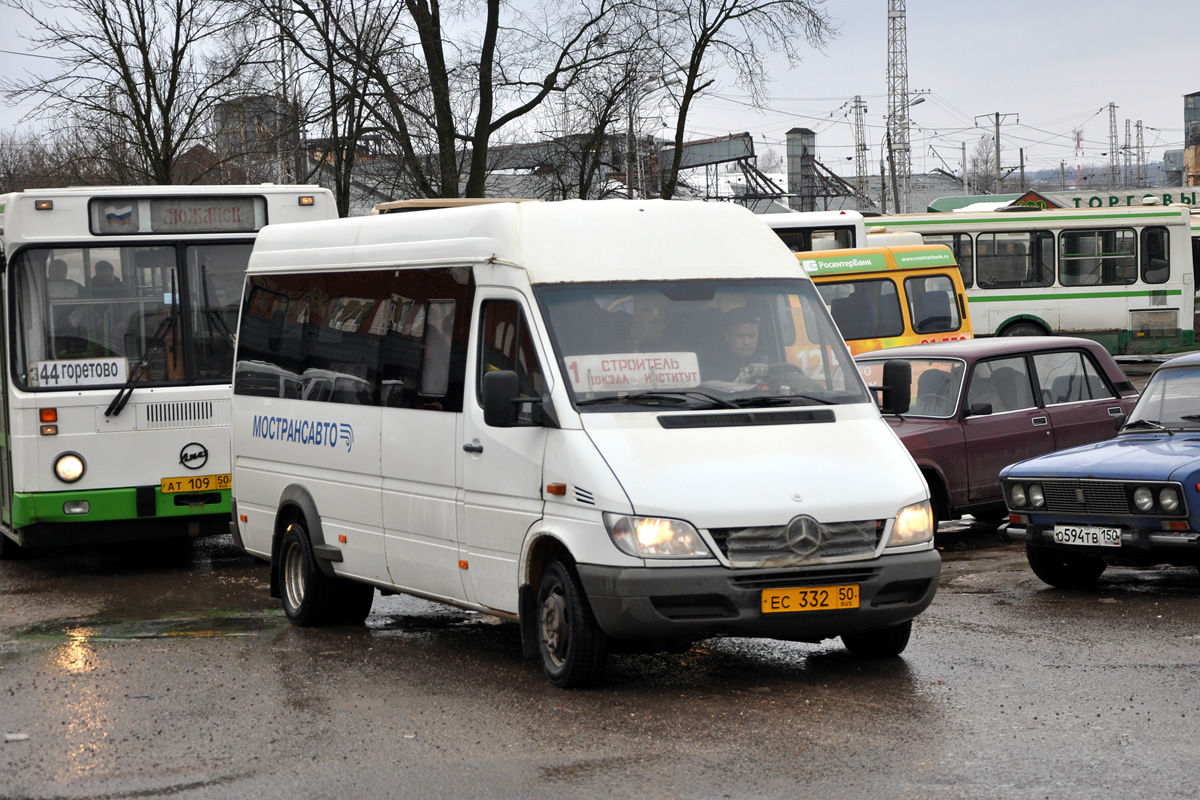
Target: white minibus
(621, 424)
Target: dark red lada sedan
(982, 404)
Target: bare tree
(439, 81)
(700, 35)
(983, 165)
(149, 71)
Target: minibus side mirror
(897, 387)
(501, 390)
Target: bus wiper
(655, 398)
(167, 325)
(1147, 423)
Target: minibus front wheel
(571, 644)
(310, 597)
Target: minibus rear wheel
(571, 644)
(309, 596)
(883, 643)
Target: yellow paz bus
(892, 295)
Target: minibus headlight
(1143, 498)
(651, 537)
(69, 467)
(1169, 500)
(914, 525)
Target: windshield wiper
(1153, 424)
(167, 325)
(779, 400)
(658, 398)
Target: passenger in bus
(104, 277)
(60, 285)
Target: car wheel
(310, 598)
(571, 645)
(883, 643)
(1062, 569)
(1024, 329)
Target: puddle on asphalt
(218, 624)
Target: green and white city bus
(119, 311)
(1122, 276)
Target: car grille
(1075, 496)
(802, 541)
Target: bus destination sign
(115, 216)
(70, 373)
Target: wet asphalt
(172, 674)
(134, 672)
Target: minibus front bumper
(642, 603)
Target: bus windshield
(101, 316)
(728, 343)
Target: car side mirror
(896, 392)
(979, 410)
(1119, 421)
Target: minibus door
(501, 466)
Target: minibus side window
(506, 344)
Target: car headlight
(1036, 498)
(914, 525)
(1143, 498)
(69, 467)
(1169, 500)
(652, 537)
(1016, 496)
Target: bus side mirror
(897, 387)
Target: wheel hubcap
(554, 625)
(293, 576)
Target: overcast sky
(1049, 68)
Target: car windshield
(936, 383)
(1171, 399)
(698, 344)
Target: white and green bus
(119, 311)
(1122, 276)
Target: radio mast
(897, 119)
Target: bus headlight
(914, 525)
(69, 467)
(650, 537)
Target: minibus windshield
(698, 344)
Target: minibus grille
(184, 414)
(804, 540)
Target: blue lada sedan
(1131, 501)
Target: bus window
(960, 245)
(1156, 262)
(1012, 260)
(932, 304)
(1097, 258)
